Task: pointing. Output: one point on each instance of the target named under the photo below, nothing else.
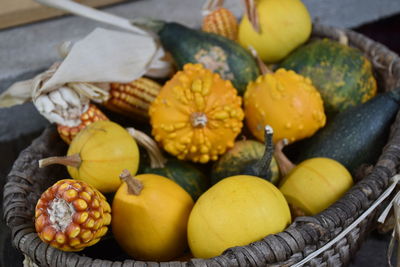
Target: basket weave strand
(26, 182)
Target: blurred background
(30, 34)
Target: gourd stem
(262, 166)
(157, 160)
(285, 165)
(72, 160)
(251, 12)
(135, 186)
(261, 65)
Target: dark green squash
(215, 52)
(183, 173)
(247, 157)
(353, 137)
(342, 74)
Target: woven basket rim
(286, 247)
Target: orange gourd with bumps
(197, 115)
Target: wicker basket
(26, 182)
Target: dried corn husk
(62, 93)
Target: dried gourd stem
(135, 186)
(72, 160)
(251, 12)
(285, 165)
(210, 6)
(157, 160)
(262, 166)
(261, 65)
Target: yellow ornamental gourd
(283, 26)
(98, 154)
(197, 115)
(235, 212)
(150, 215)
(315, 184)
(286, 101)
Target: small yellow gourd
(235, 212)
(314, 184)
(286, 101)
(98, 154)
(275, 28)
(150, 215)
(197, 115)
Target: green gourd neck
(261, 167)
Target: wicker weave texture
(26, 182)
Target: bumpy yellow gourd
(150, 215)
(235, 212)
(197, 115)
(315, 184)
(284, 25)
(286, 101)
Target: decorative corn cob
(93, 114)
(72, 215)
(133, 99)
(221, 21)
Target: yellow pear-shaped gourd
(197, 115)
(235, 212)
(315, 184)
(286, 101)
(150, 215)
(284, 25)
(98, 154)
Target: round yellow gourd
(197, 115)
(234, 212)
(105, 149)
(315, 184)
(98, 154)
(150, 215)
(286, 101)
(284, 25)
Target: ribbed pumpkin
(98, 154)
(342, 74)
(313, 185)
(197, 115)
(286, 101)
(239, 159)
